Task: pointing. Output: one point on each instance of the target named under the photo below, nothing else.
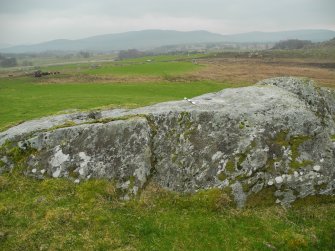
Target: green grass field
(158, 65)
(165, 58)
(55, 214)
(24, 99)
(148, 68)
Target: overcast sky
(31, 21)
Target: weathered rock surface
(278, 135)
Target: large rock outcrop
(277, 135)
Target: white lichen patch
(85, 159)
(279, 180)
(81, 171)
(223, 184)
(217, 156)
(59, 157)
(124, 185)
(56, 173)
(141, 174)
(135, 190)
(317, 168)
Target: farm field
(149, 68)
(24, 99)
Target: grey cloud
(227, 16)
(198, 8)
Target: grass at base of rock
(55, 214)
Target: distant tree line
(329, 43)
(132, 53)
(84, 54)
(292, 44)
(7, 61)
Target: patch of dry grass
(254, 70)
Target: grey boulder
(277, 135)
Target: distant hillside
(330, 43)
(149, 39)
(312, 35)
(4, 45)
(142, 40)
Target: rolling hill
(149, 39)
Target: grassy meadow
(56, 214)
(24, 99)
(148, 68)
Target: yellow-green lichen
(243, 156)
(222, 176)
(295, 142)
(174, 157)
(241, 177)
(230, 167)
(283, 139)
(132, 182)
(17, 155)
(185, 122)
(66, 124)
(296, 164)
(269, 166)
(320, 186)
(245, 186)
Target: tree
(132, 53)
(84, 54)
(291, 44)
(8, 62)
(27, 63)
